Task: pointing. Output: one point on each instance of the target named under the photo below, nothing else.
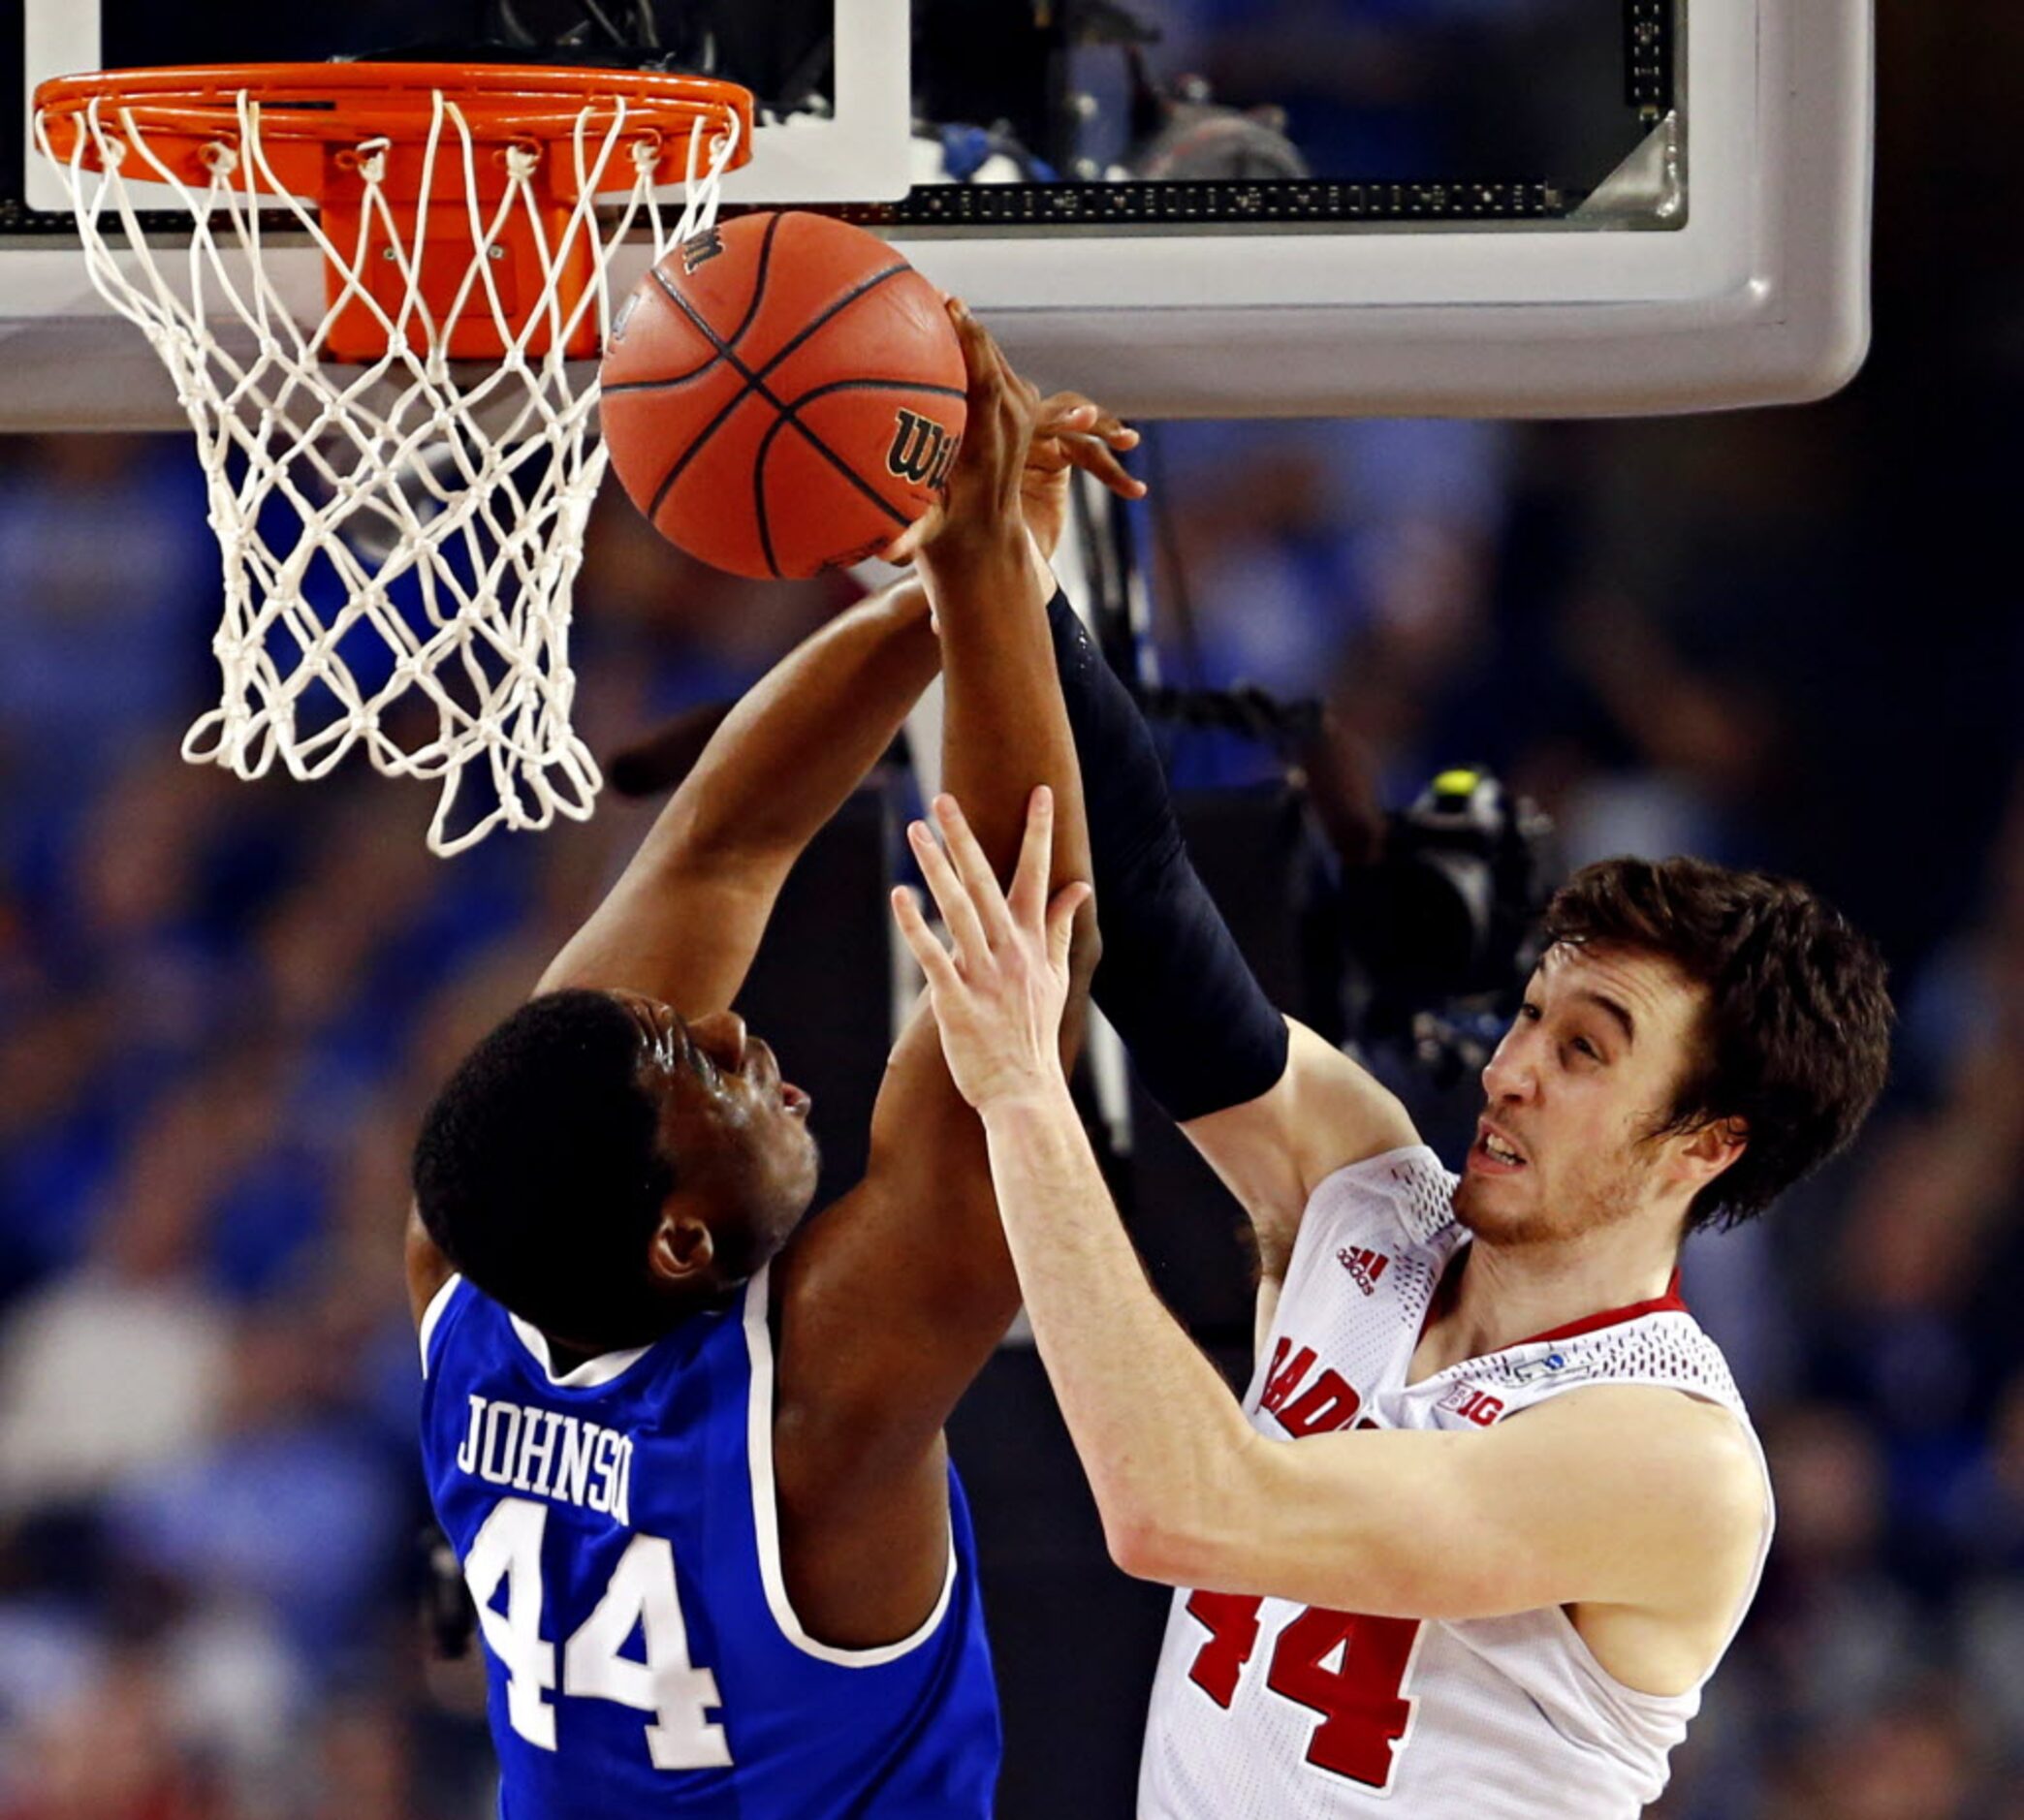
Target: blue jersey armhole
(766, 1526)
(434, 1319)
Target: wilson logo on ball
(701, 249)
(922, 450)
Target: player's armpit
(887, 1306)
(1323, 1113)
(1620, 1496)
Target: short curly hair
(540, 1172)
(1795, 1037)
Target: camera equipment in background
(1447, 910)
(1421, 924)
(1441, 931)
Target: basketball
(783, 394)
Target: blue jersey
(617, 1526)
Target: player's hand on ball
(979, 511)
(1011, 473)
(1000, 987)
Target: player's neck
(1500, 1295)
(564, 1358)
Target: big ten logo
(1474, 1406)
(699, 249)
(922, 451)
(1301, 1404)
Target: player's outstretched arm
(684, 918)
(1624, 1496)
(1272, 1106)
(891, 1304)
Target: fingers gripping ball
(782, 395)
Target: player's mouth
(795, 1100)
(1495, 1154)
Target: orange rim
(181, 111)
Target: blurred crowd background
(1789, 639)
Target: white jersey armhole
(1376, 1166)
(432, 1315)
(766, 1515)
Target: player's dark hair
(540, 1172)
(1795, 1037)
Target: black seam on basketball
(766, 242)
(787, 418)
(766, 547)
(756, 381)
(718, 348)
(835, 310)
(752, 386)
(873, 384)
(662, 385)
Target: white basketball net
(413, 510)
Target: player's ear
(682, 1250)
(1712, 1147)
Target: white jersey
(1264, 1709)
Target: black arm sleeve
(1202, 1034)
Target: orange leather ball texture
(782, 395)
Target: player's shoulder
(1387, 1221)
(1694, 1453)
(452, 1295)
(1406, 1190)
(465, 1333)
(1657, 1346)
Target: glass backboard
(1210, 207)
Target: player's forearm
(684, 918)
(802, 738)
(1004, 726)
(1160, 1435)
(1204, 1035)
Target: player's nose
(721, 1036)
(1508, 1075)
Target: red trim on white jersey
(1667, 1304)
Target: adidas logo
(1364, 1266)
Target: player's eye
(1529, 1012)
(1584, 1047)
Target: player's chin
(776, 1215)
(810, 1169)
(803, 1169)
(1492, 1205)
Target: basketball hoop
(399, 484)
